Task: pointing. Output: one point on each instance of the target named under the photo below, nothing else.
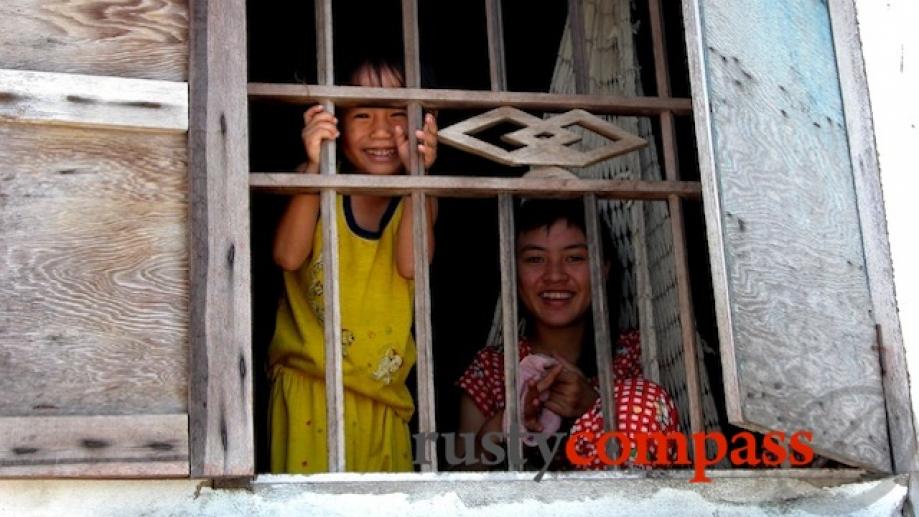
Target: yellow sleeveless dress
(377, 353)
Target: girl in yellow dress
(376, 267)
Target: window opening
(276, 121)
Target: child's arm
(293, 240)
(405, 246)
(473, 422)
(427, 147)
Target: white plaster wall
(890, 44)
(725, 497)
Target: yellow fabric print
(314, 292)
(347, 339)
(388, 365)
(378, 353)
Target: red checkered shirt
(641, 405)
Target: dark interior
(464, 273)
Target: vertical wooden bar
(507, 253)
(662, 79)
(421, 247)
(496, 66)
(220, 391)
(579, 47)
(509, 325)
(334, 383)
(602, 337)
(671, 173)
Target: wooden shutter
(797, 332)
(220, 398)
(93, 239)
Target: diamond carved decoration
(545, 141)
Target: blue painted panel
(802, 356)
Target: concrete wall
(741, 497)
(891, 47)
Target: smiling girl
(553, 287)
(376, 266)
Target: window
(773, 388)
(93, 360)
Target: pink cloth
(533, 367)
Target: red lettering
(799, 447)
(744, 450)
(571, 448)
(744, 454)
(774, 452)
(700, 460)
(641, 443)
(625, 447)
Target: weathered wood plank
(143, 38)
(471, 186)
(421, 248)
(545, 142)
(681, 260)
(579, 47)
(497, 68)
(93, 271)
(900, 417)
(603, 344)
(465, 99)
(795, 325)
(220, 395)
(687, 318)
(93, 101)
(424, 333)
(508, 263)
(334, 379)
(94, 446)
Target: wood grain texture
(544, 142)
(508, 263)
(854, 85)
(334, 380)
(579, 47)
(94, 446)
(139, 38)
(424, 334)
(93, 272)
(798, 352)
(470, 186)
(497, 67)
(93, 101)
(220, 395)
(602, 338)
(681, 261)
(345, 96)
(421, 249)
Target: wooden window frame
(221, 433)
(863, 154)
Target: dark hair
(542, 213)
(376, 63)
(376, 66)
(533, 214)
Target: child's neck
(368, 210)
(565, 341)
